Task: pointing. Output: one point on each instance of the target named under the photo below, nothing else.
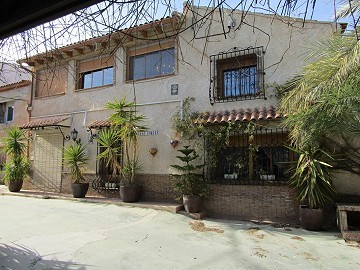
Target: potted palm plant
(126, 124)
(312, 183)
(191, 183)
(17, 165)
(75, 158)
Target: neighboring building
(15, 89)
(231, 74)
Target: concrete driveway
(62, 234)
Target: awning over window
(61, 121)
(99, 124)
(240, 115)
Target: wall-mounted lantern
(174, 143)
(92, 135)
(73, 135)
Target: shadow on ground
(20, 257)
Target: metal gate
(47, 161)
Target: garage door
(47, 161)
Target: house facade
(228, 66)
(15, 88)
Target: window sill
(93, 88)
(151, 79)
(49, 97)
(278, 182)
(239, 98)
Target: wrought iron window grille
(237, 75)
(259, 158)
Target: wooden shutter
(51, 82)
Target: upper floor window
(51, 82)
(151, 62)
(237, 75)
(95, 73)
(6, 112)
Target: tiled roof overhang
(47, 122)
(99, 124)
(14, 85)
(123, 36)
(238, 116)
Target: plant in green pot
(313, 185)
(17, 165)
(126, 124)
(191, 182)
(75, 159)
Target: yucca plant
(126, 124)
(312, 179)
(110, 142)
(17, 165)
(75, 158)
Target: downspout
(29, 108)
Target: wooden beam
(69, 53)
(40, 61)
(104, 44)
(143, 33)
(79, 50)
(158, 29)
(49, 58)
(30, 63)
(91, 47)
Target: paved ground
(63, 234)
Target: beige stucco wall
(11, 93)
(284, 44)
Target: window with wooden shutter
(51, 82)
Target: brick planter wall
(249, 202)
(253, 202)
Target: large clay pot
(130, 193)
(311, 219)
(79, 190)
(15, 185)
(192, 203)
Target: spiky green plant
(15, 142)
(75, 158)
(110, 142)
(322, 103)
(126, 124)
(17, 165)
(311, 179)
(191, 181)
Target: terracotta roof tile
(14, 85)
(45, 122)
(99, 124)
(240, 115)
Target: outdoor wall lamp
(153, 151)
(73, 135)
(92, 135)
(174, 143)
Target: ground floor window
(242, 155)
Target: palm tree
(323, 102)
(126, 124)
